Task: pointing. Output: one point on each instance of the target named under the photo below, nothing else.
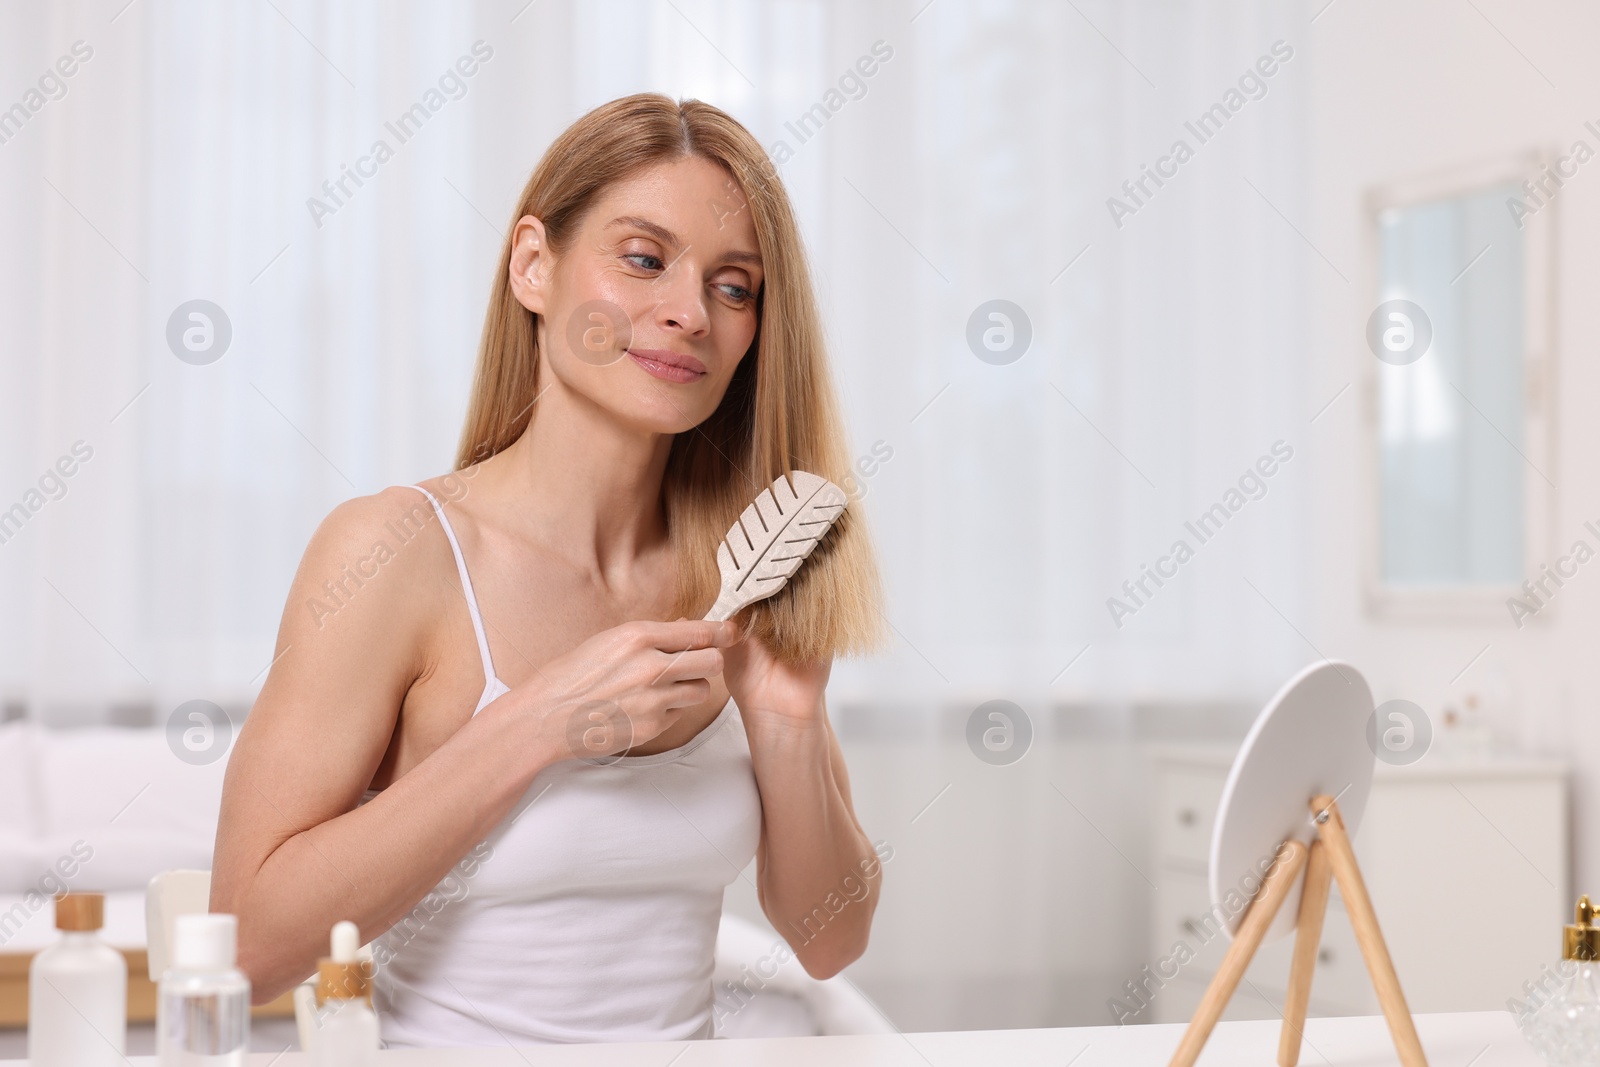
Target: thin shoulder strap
(466, 586)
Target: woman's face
(649, 308)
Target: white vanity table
(1481, 1038)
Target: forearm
(373, 864)
(818, 875)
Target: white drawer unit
(1467, 864)
(1189, 798)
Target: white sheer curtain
(974, 163)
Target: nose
(680, 301)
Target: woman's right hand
(623, 686)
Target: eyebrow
(667, 237)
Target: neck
(585, 482)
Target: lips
(668, 366)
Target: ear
(531, 261)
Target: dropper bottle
(346, 1032)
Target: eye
(737, 293)
(653, 264)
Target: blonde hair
(779, 414)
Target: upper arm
(351, 641)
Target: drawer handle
(1187, 817)
(1190, 928)
(1324, 955)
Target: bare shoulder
(466, 499)
(373, 559)
(359, 628)
(397, 514)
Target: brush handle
(725, 608)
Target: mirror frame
(1464, 602)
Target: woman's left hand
(764, 687)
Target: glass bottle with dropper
(346, 1032)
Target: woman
(481, 739)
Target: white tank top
(591, 912)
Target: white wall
(1007, 908)
(1409, 89)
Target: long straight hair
(779, 414)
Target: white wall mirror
(1460, 470)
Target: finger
(685, 694)
(695, 663)
(687, 634)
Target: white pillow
(123, 796)
(20, 859)
(21, 863)
(117, 858)
(95, 782)
(19, 796)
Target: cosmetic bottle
(1561, 1018)
(203, 1007)
(78, 992)
(346, 1030)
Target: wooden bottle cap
(80, 911)
(344, 981)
